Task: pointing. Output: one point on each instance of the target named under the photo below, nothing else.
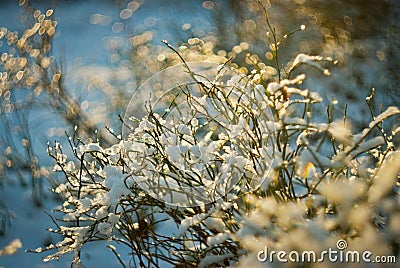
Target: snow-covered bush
(248, 162)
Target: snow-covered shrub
(250, 163)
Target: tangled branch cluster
(322, 182)
(247, 162)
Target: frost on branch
(75, 238)
(309, 60)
